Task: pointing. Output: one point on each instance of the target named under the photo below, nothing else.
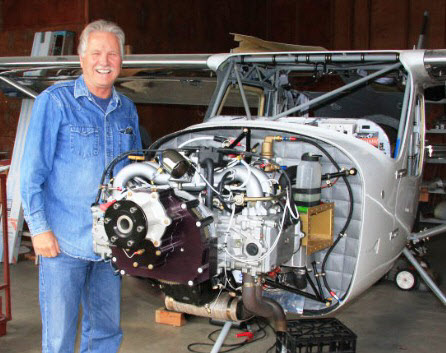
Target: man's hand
(46, 244)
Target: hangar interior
(384, 318)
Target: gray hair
(100, 26)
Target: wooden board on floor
(167, 317)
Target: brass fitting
(267, 147)
(268, 144)
(136, 158)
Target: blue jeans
(65, 282)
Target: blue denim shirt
(70, 141)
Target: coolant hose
(209, 164)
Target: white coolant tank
(308, 181)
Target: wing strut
(21, 88)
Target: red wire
(330, 185)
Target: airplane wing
(153, 78)
(144, 78)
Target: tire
(406, 279)
(400, 264)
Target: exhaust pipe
(258, 305)
(224, 308)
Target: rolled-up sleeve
(37, 160)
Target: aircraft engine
(203, 222)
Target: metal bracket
(394, 233)
(401, 173)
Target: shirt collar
(81, 89)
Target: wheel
(400, 264)
(406, 279)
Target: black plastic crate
(317, 336)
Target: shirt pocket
(84, 141)
(127, 139)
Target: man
(76, 129)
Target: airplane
(296, 193)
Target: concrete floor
(384, 318)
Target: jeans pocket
(127, 139)
(84, 141)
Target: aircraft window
(382, 97)
(435, 93)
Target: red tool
(249, 335)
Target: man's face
(101, 63)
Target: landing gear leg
(423, 274)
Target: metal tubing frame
(416, 237)
(429, 282)
(315, 296)
(6, 275)
(340, 57)
(242, 93)
(221, 337)
(404, 111)
(22, 89)
(337, 91)
(219, 93)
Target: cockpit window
(340, 94)
(232, 103)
